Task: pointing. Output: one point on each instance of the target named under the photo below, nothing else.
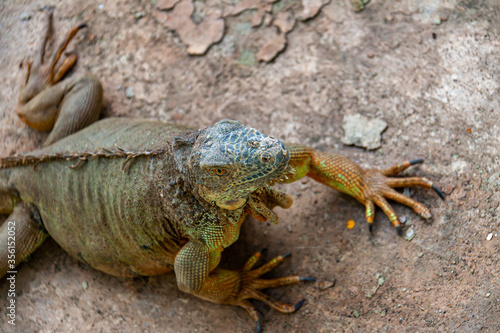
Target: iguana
(139, 198)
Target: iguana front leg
(46, 102)
(196, 273)
(370, 187)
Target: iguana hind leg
(20, 235)
(79, 108)
(47, 102)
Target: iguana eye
(219, 171)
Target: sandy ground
(437, 87)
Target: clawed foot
(261, 203)
(380, 187)
(251, 285)
(40, 74)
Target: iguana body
(137, 197)
(126, 241)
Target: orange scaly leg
(370, 187)
(251, 286)
(197, 274)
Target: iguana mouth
(276, 173)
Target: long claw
(438, 191)
(310, 279)
(299, 304)
(417, 161)
(259, 325)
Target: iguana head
(229, 161)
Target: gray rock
(25, 16)
(129, 92)
(363, 132)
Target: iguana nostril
(266, 158)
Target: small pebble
(85, 285)
(101, 6)
(420, 254)
(25, 17)
(323, 285)
(489, 237)
(356, 313)
(381, 280)
(129, 92)
(383, 313)
(487, 295)
(139, 15)
(410, 234)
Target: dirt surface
(430, 69)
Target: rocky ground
(429, 69)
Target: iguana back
(120, 222)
